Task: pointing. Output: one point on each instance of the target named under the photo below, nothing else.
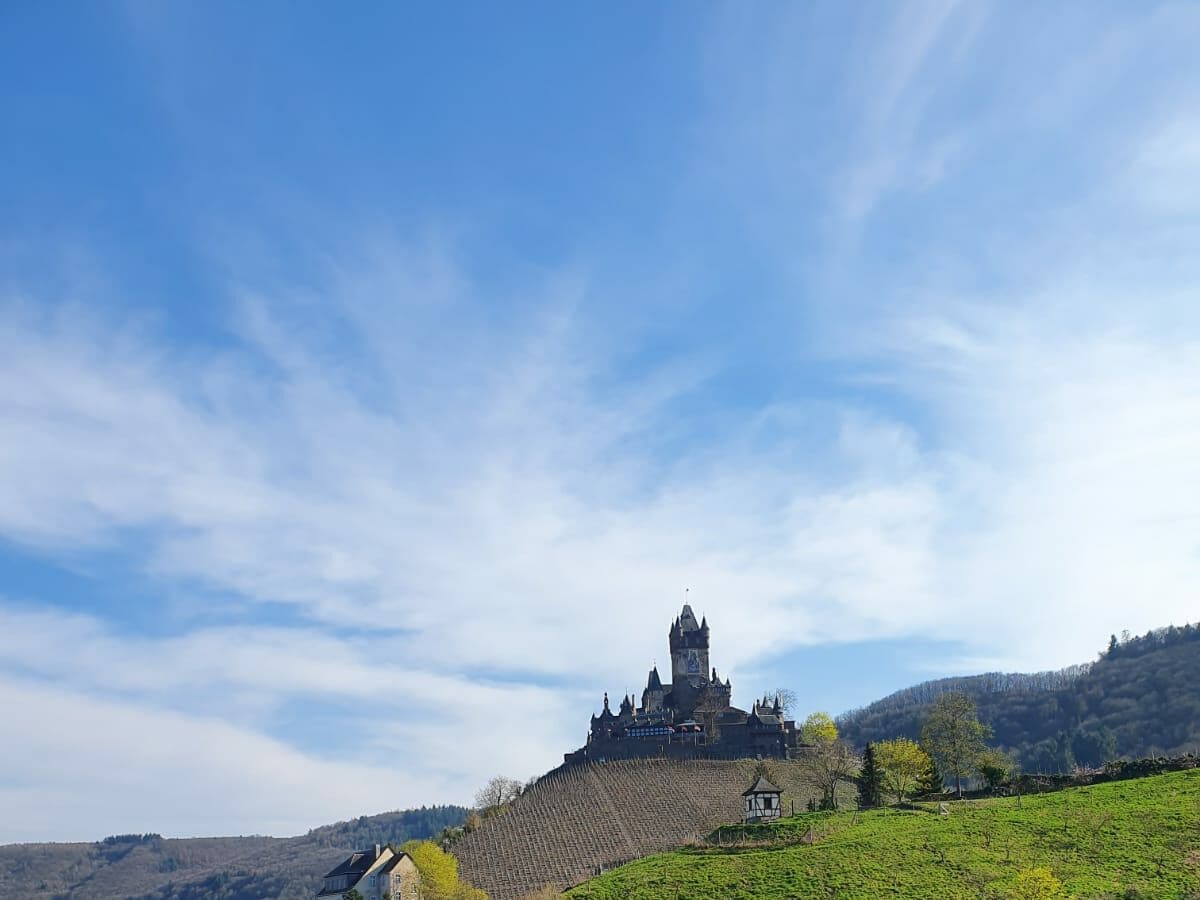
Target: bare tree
(707, 712)
(831, 763)
(787, 700)
(830, 760)
(498, 791)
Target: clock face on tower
(693, 662)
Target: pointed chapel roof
(761, 786)
(654, 683)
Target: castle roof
(764, 714)
(654, 683)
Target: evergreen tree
(1064, 754)
(869, 791)
(931, 782)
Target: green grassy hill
(1128, 839)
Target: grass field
(1138, 838)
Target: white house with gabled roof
(378, 874)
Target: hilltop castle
(691, 716)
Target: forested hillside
(150, 867)
(1138, 699)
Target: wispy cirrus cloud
(402, 496)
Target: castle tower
(689, 650)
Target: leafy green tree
(352, 894)
(954, 736)
(818, 728)
(869, 787)
(439, 870)
(439, 873)
(902, 763)
(995, 766)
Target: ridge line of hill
(1136, 700)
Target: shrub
(1037, 884)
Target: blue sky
(377, 379)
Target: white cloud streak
(81, 762)
(482, 518)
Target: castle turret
(653, 695)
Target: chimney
(377, 851)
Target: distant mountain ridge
(1138, 699)
(150, 867)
